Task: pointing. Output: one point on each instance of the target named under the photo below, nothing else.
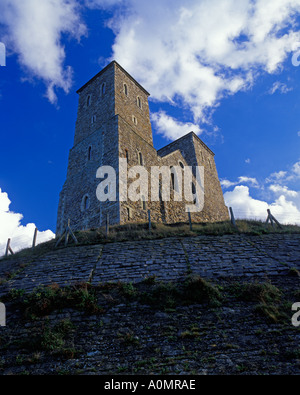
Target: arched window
(90, 153)
(88, 100)
(103, 89)
(194, 193)
(141, 161)
(85, 203)
(176, 180)
(181, 164)
(125, 89)
(173, 179)
(139, 102)
(134, 120)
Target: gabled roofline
(106, 68)
(184, 137)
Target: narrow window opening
(127, 155)
(128, 213)
(194, 193)
(125, 89)
(85, 203)
(88, 100)
(90, 153)
(103, 89)
(174, 179)
(139, 102)
(144, 203)
(141, 161)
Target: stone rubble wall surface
(169, 259)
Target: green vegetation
(256, 292)
(42, 301)
(170, 295)
(203, 321)
(198, 290)
(268, 297)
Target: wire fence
(274, 218)
(286, 217)
(20, 242)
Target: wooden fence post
(190, 220)
(34, 238)
(232, 217)
(149, 220)
(107, 225)
(272, 219)
(66, 234)
(8, 248)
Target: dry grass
(136, 232)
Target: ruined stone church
(113, 122)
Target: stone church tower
(113, 122)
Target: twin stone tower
(113, 123)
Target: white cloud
(292, 174)
(283, 190)
(187, 52)
(298, 134)
(10, 227)
(227, 184)
(277, 176)
(102, 3)
(285, 202)
(280, 87)
(193, 53)
(243, 179)
(248, 161)
(296, 169)
(33, 29)
(171, 128)
(248, 180)
(245, 207)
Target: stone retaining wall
(166, 259)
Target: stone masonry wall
(168, 259)
(102, 106)
(114, 122)
(126, 106)
(214, 205)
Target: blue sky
(226, 69)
